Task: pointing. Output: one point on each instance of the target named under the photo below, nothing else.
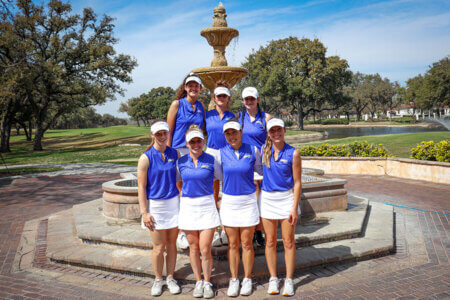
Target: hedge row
(355, 149)
(432, 151)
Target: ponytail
(267, 152)
(152, 140)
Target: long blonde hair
(267, 152)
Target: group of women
(261, 185)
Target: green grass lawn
(101, 145)
(397, 144)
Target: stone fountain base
(82, 236)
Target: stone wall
(438, 172)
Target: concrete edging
(437, 172)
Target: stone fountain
(219, 37)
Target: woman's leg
(194, 252)
(288, 231)
(159, 245)
(248, 255)
(171, 250)
(233, 249)
(206, 237)
(270, 230)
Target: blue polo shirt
(214, 128)
(279, 177)
(198, 181)
(238, 167)
(186, 116)
(254, 133)
(161, 175)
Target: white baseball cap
(160, 125)
(221, 90)
(274, 122)
(193, 134)
(232, 124)
(193, 77)
(250, 92)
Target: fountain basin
(120, 197)
(210, 75)
(219, 36)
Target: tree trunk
(5, 129)
(300, 116)
(348, 116)
(30, 130)
(17, 130)
(37, 142)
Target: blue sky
(397, 39)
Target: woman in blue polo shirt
(198, 213)
(185, 111)
(158, 203)
(239, 209)
(280, 197)
(215, 119)
(253, 122)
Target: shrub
(355, 149)
(405, 119)
(431, 151)
(289, 123)
(334, 121)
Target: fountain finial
(219, 18)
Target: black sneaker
(258, 238)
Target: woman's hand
(293, 217)
(149, 221)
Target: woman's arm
(171, 118)
(297, 174)
(142, 170)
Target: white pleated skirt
(164, 211)
(276, 205)
(198, 213)
(239, 211)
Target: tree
(436, 85)
(299, 74)
(378, 92)
(70, 60)
(149, 106)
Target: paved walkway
(418, 269)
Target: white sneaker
(157, 287)
(246, 288)
(233, 287)
(216, 240)
(171, 283)
(223, 237)
(288, 289)
(198, 290)
(208, 292)
(273, 286)
(182, 241)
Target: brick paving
(419, 268)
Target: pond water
(340, 132)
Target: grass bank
(397, 144)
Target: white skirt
(164, 211)
(198, 213)
(239, 211)
(256, 176)
(276, 205)
(214, 152)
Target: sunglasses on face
(248, 99)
